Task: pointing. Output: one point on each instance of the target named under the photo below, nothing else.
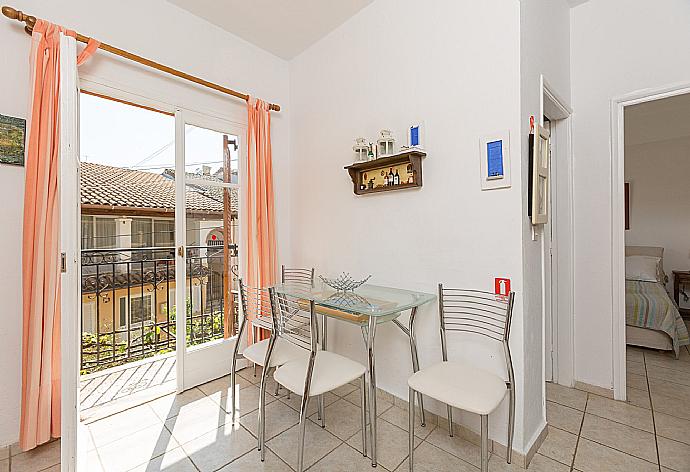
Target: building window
(87, 232)
(106, 231)
(142, 232)
(164, 232)
(88, 317)
(141, 311)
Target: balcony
(129, 315)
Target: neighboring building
(128, 249)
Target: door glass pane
(211, 163)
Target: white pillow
(643, 268)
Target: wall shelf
(408, 164)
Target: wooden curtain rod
(30, 21)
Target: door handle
(180, 251)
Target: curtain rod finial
(13, 14)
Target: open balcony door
(73, 445)
(208, 152)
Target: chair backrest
(256, 306)
(476, 312)
(299, 276)
(294, 320)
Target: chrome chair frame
(483, 314)
(287, 325)
(263, 302)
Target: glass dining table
(367, 306)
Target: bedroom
(657, 233)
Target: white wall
(660, 200)
(156, 30)
(544, 50)
(618, 46)
(393, 63)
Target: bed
(652, 318)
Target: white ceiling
(659, 120)
(282, 27)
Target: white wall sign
(494, 161)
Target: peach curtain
(260, 241)
(41, 388)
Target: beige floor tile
(672, 427)
(383, 400)
(170, 406)
(200, 419)
(136, 449)
(40, 458)
(279, 418)
(398, 416)
(638, 397)
(343, 459)
(634, 355)
(295, 402)
(566, 396)
(635, 368)
(457, 446)
(123, 424)
(667, 362)
(5, 465)
(4, 452)
(621, 412)
(593, 457)
(218, 448)
(669, 405)
(345, 390)
(428, 458)
(539, 464)
(252, 463)
(559, 445)
(171, 461)
(93, 462)
(392, 444)
(222, 384)
(563, 417)
(637, 381)
(625, 438)
(669, 389)
(245, 403)
(673, 454)
(317, 443)
(343, 419)
(670, 375)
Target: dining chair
(296, 275)
(460, 384)
(313, 375)
(256, 305)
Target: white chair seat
(264, 322)
(330, 371)
(284, 351)
(460, 385)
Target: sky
(121, 135)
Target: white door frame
(72, 453)
(562, 222)
(618, 105)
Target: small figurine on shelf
(371, 156)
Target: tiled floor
(193, 432)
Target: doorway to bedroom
(656, 221)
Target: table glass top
(372, 300)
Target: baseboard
(601, 391)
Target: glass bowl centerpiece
(344, 282)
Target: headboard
(652, 251)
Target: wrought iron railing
(128, 302)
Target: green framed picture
(12, 140)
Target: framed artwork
(541, 155)
(12, 140)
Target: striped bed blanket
(647, 305)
